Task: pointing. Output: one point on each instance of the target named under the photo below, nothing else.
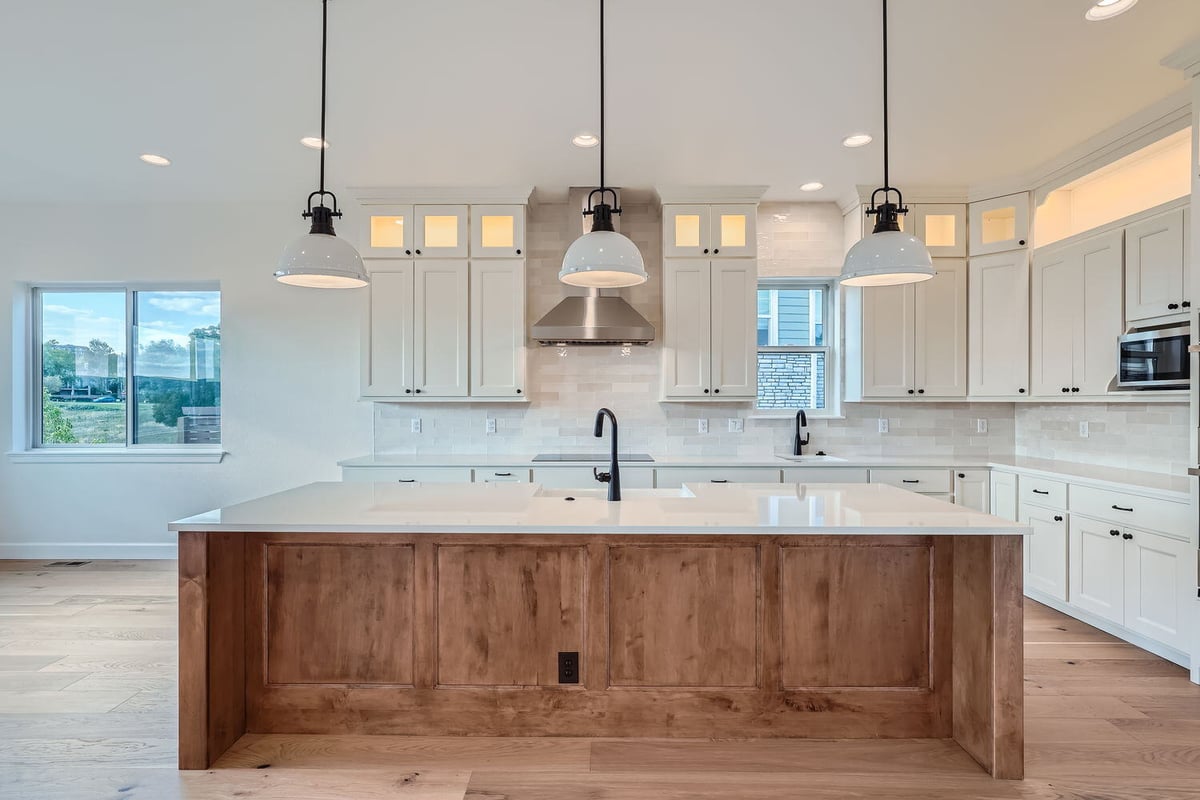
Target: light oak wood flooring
(87, 710)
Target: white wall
(290, 372)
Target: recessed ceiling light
(857, 140)
(158, 161)
(585, 140)
(314, 142)
(811, 186)
(1107, 9)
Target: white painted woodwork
(734, 353)
(941, 331)
(1098, 316)
(497, 325)
(998, 325)
(687, 323)
(1046, 551)
(673, 477)
(440, 312)
(1004, 495)
(407, 474)
(733, 230)
(500, 475)
(685, 231)
(387, 348)
(440, 231)
(972, 489)
(1155, 270)
(826, 475)
(941, 226)
(497, 231)
(386, 231)
(889, 341)
(1043, 492)
(999, 224)
(1168, 517)
(1097, 567)
(915, 479)
(576, 477)
(1159, 587)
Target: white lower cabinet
(406, 474)
(1004, 495)
(583, 478)
(972, 488)
(501, 475)
(1046, 551)
(922, 481)
(1159, 582)
(674, 477)
(1097, 557)
(826, 475)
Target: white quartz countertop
(505, 508)
(1160, 484)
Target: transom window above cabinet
(725, 231)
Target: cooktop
(601, 457)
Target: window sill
(791, 415)
(118, 455)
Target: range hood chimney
(591, 319)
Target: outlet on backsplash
(490, 425)
(981, 426)
(415, 426)
(883, 425)
(1083, 429)
(702, 426)
(736, 424)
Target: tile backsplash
(1141, 436)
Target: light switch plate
(981, 426)
(736, 424)
(416, 425)
(1083, 430)
(702, 426)
(883, 426)
(490, 425)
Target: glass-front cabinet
(999, 224)
(941, 226)
(702, 230)
(497, 231)
(441, 231)
(387, 232)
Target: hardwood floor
(87, 710)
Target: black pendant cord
(602, 137)
(602, 212)
(322, 216)
(886, 183)
(324, 50)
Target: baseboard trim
(1120, 631)
(34, 551)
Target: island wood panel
(504, 612)
(857, 615)
(339, 613)
(683, 616)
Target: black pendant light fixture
(889, 256)
(319, 259)
(602, 258)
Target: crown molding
(457, 195)
(710, 194)
(1186, 58)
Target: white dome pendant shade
(603, 259)
(320, 260)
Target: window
(119, 366)
(793, 344)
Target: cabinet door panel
(1046, 552)
(441, 232)
(686, 329)
(941, 331)
(1099, 325)
(685, 231)
(1056, 301)
(1159, 582)
(497, 231)
(386, 232)
(942, 227)
(497, 328)
(734, 328)
(731, 230)
(999, 224)
(1097, 568)
(998, 318)
(440, 337)
(387, 368)
(972, 489)
(889, 357)
(1155, 267)
(1004, 495)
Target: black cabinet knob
(715, 251)
(910, 391)
(518, 391)
(408, 391)
(1126, 535)
(1114, 532)
(962, 475)
(1172, 306)
(418, 252)
(716, 391)
(1186, 304)
(418, 391)
(706, 391)
(1074, 388)
(1065, 390)
(1020, 391)
(518, 252)
(408, 252)
(1058, 518)
(920, 391)
(1021, 242)
(706, 251)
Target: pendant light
(602, 258)
(889, 256)
(319, 259)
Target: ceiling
(489, 92)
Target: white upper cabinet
(440, 231)
(440, 346)
(941, 226)
(386, 232)
(1156, 269)
(498, 328)
(999, 224)
(734, 328)
(709, 321)
(702, 230)
(889, 341)
(998, 317)
(1077, 320)
(497, 231)
(387, 349)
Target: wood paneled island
(820, 611)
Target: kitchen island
(805, 610)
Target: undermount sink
(810, 459)
(601, 493)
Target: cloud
(193, 303)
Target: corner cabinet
(999, 224)
(1077, 320)
(1156, 274)
(709, 321)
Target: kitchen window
(794, 354)
(125, 367)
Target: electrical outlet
(568, 667)
(883, 425)
(736, 424)
(702, 426)
(981, 426)
(416, 425)
(490, 425)
(1083, 430)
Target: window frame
(33, 446)
(830, 334)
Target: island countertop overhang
(696, 509)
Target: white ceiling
(489, 92)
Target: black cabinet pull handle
(906, 480)
(406, 480)
(1114, 532)
(1041, 491)
(1058, 518)
(1127, 536)
(1121, 508)
(502, 474)
(719, 480)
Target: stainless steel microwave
(1155, 359)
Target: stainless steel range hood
(594, 320)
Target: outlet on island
(568, 667)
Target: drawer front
(407, 475)
(582, 477)
(1042, 492)
(825, 475)
(674, 477)
(501, 475)
(923, 481)
(1153, 514)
